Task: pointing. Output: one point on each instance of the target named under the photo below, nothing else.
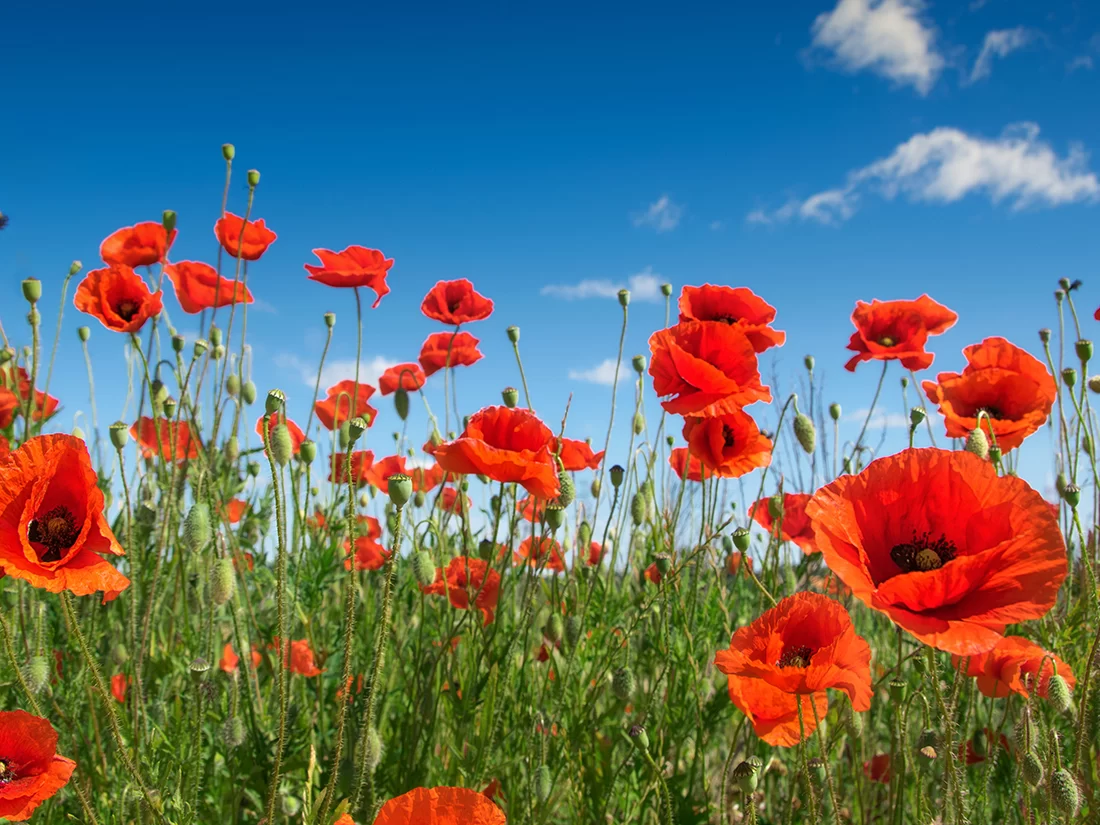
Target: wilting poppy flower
(507, 445)
(235, 510)
(361, 462)
(540, 552)
(296, 434)
(142, 244)
(794, 526)
(299, 659)
(30, 769)
(52, 527)
(456, 302)
(449, 502)
(1012, 664)
(687, 470)
(333, 411)
(877, 768)
(468, 579)
(942, 545)
(352, 267)
(162, 437)
(595, 554)
(736, 306)
(198, 287)
(440, 806)
(708, 367)
(443, 349)
(1012, 387)
(409, 377)
(576, 455)
(531, 509)
(118, 298)
(728, 445)
(897, 330)
(795, 652)
(120, 685)
(252, 243)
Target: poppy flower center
(727, 437)
(887, 341)
(57, 530)
(727, 319)
(923, 553)
(795, 657)
(6, 773)
(992, 412)
(127, 310)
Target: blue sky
(816, 152)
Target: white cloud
(999, 43)
(1083, 62)
(880, 420)
(603, 373)
(643, 286)
(260, 305)
(945, 165)
(662, 215)
(335, 371)
(888, 37)
(716, 226)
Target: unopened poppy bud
(330, 319)
(510, 396)
(808, 362)
(178, 343)
(554, 627)
(573, 628)
(373, 749)
(916, 416)
(401, 403)
(664, 563)
(253, 177)
(638, 362)
(639, 737)
(855, 723)
(666, 290)
(904, 381)
(32, 290)
(834, 411)
(75, 267)
(1060, 482)
(356, 427)
(846, 465)
(391, 523)
(78, 433)
(83, 333)
(595, 487)
(1032, 770)
(423, 568)
(276, 400)
(977, 443)
(584, 536)
(616, 473)
(1069, 377)
(624, 298)
(670, 440)
(419, 498)
(775, 506)
(639, 423)
(254, 468)
(364, 499)
(747, 775)
(1064, 793)
(233, 732)
(307, 451)
(1086, 444)
(513, 334)
(1064, 283)
(232, 448)
(168, 221)
(282, 445)
(229, 151)
(805, 433)
(37, 673)
(741, 538)
(6, 354)
(1025, 734)
(1058, 693)
(485, 549)
(622, 683)
(1072, 495)
(638, 509)
(120, 434)
(248, 392)
(1084, 350)
(400, 489)
(200, 348)
(290, 805)
(919, 665)
(196, 526)
(543, 783)
(223, 582)
(215, 336)
(568, 488)
(233, 385)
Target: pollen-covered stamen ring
(887, 341)
(56, 529)
(6, 773)
(923, 553)
(795, 657)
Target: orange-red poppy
(333, 411)
(355, 682)
(440, 806)
(877, 768)
(361, 462)
(296, 434)
(5, 447)
(142, 244)
(687, 470)
(492, 790)
(198, 287)
(251, 243)
(53, 531)
(1012, 387)
(595, 554)
(456, 302)
(381, 470)
(299, 658)
(734, 561)
(352, 267)
(507, 445)
(736, 306)
(157, 437)
(30, 769)
(468, 579)
(11, 404)
(795, 652)
(897, 330)
(728, 445)
(531, 509)
(118, 298)
(230, 660)
(1012, 666)
(941, 544)
(708, 368)
(369, 553)
(794, 526)
(540, 551)
(409, 377)
(345, 819)
(448, 349)
(120, 686)
(576, 455)
(653, 574)
(450, 502)
(235, 509)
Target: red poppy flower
(728, 445)
(361, 462)
(736, 306)
(577, 455)
(794, 526)
(118, 298)
(941, 544)
(595, 554)
(229, 659)
(456, 302)
(1011, 386)
(299, 659)
(345, 819)
(5, 447)
(120, 685)
(734, 561)
(708, 367)
(1012, 665)
(653, 574)
(10, 404)
(426, 479)
(449, 502)
(53, 531)
(252, 243)
(531, 509)
(30, 769)
(877, 768)
(538, 552)
(369, 553)
(352, 682)
(142, 244)
(381, 470)
(296, 434)
(468, 579)
(352, 267)
(408, 376)
(443, 349)
(492, 790)
(678, 461)
(333, 411)
(198, 287)
(156, 437)
(440, 806)
(795, 652)
(235, 510)
(897, 330)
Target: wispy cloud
(999, 43)
(260, 305)
(717, 226)
(1082, 62)
(888, 37)
(880, 420)
(662, 215)
(643, 286)
(334, 371)
(945, 165)
(603, 373)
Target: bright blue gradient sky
(527, 149)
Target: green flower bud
(485, 549)
(37, 673)
(32, 290)
(573, 628)
(196, 527)
(1032, 769)
(543, 783)
(229, 151)
(622, 683)
(400, 488)
(904, 381)
(568, 488)
(307, 451)
(374, 748)
(233, 732)
(419, 498)
(805, 433)
(595, 488)
(1094, 383)
(344, 435)
(513, 334)
(168, 221)
(120, 434)
(664, 563)
(834, 411)
(75, 267)
(977, 443)
(638, 509)
(639, 737)
(423, 568)
(233, 385)
(1064, 793)
(1058, 693)
(253, 178)
(1084, 350)
(215, 336)
(995, 454)
(624, 298)
(223, 582)
(510, 396)
(639, 423)
(616, 473)
(584, 536)
(1025, 734)
(254, 468)
(638, 362)
(232, 449)
(808, 362)
(554, 627)
(83, 333)
(401, 403)
(666, 290)
(855, 724)
(282, 444)
(290, 805)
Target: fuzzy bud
(282, 445)
(1064, 793)
(1025, 734)
(1032, 769)
(622, 683)
(120, 434)
(638, 362)
(233, 385)
(233, 732)
(374, 749)
(617, 473)
(423, 567)
(573, 628)
(400, 489)
(419, 498)
(639, 423)
(37, 673)
(513, 334)
(977, 443)
(805, 433)
(855, 723)
(638, 509)
(554, 627)
(775, 506)
(543, 783)
(1058, 693)
(223, 582)
(568, 489)
(584, 536)
(196, 527)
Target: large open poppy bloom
(118, 298)
(53, 532)
(15, 387)
(794, 525)
(456, 302)
(448, 349)
(540, 552)
(30, 769)
(1012, 664)
(409, 377)
(252, 243)
(198, 287)
(333, 411)
(1011, 386)
(162, 437)
(576, 455)
(296, 434)
(942, 545)
(736, 306)
(352, 267)
(728, 445)
(361, 462)
(507, 445)
(708, 367)
(468, 580)
(897, 330)
(142, 244)
(440, 806)
(793, 653)
(686, 465)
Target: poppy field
(212, 613)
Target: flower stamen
(795, 657)
(923, 554)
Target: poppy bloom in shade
(653, 574)
(736, 306)
(793, 653)
(897, 331)
(1012, 387)
(361, 462)
(576, 455)
(296, 434)
(440, 806)
(198, 287)
(540, 552)
(728, 445)
(157, 437)
(595, 554)
(456, 302)
(687, 470)
(10, 404)
(942, 545)
(708, 368)
(229, 659)
(5, 447)
(118, 298)
(352, 267)
(877, 768)
(235, 510)
(142, 244)
(734, 561)
(333, 411)
(409, 377)
(299, 658)
(794, 526)
(53, 532)
(1012, 665)
(442, 349)
(30, 769)
(120, 685)
(468, 580)
(345, 819)
(369, 554)
(507, 445)
(252, 243)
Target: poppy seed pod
(196, 527)
(639, 737)
(120, 434)
(1058, 693)
(1084, 350)
(223, 582)
(1044, 336)
(330, 319)
(805, 433)
(510, 396)
(741, 538)
(666, 290)
(169, 407)
(1064, 792)
(178, 343)
(617, 473)
(282, 445)
(168, 221)
(1094, 383)
(622, 683)
(233, 385)
(401, 403)
(747, 774)
(568, 488)
(1072, 495)
(200, 348)
(400, 489)
(83, 333)
(638, 362)
(32, 290)
(1059, 295)
(229, 151)
(1032, 769)
(75, 267)
(356, 427)
(664, 563)
(897, 690)
(1069, 377)
(554, 515)
(834, 411)
(513, 334)
(916, 416)
(423, 568)
(276, 400)
(595, 487)
(554, 627)
(977, 443)
(624, 298)
(485, 549)
(253, 177)
(543, 783)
